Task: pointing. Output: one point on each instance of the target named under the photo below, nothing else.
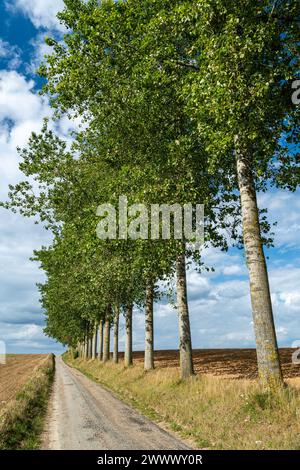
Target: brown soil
(15, 373)
(235, 363)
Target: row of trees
(179, 102)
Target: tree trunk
(86, 348)
(106, 340)
(90, 345)
(95, 343)
(185, 341)
(149, 333)
(116, 336)
(128, 337)
(100, 356)
(269, 367)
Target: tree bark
(128, 338)
(116, 336)
(86, 348)
(185, 341)
(86, 344)
(90, 345)
(100, 356)
(106, 340)
(94, 355)
(149, 332)
(269, 367)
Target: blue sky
(219, 302)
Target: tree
(245, 56)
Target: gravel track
(84, 416)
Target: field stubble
(19, 368)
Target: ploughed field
(19, 368)
(234, 363)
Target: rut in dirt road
(83, 415)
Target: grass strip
(21, 422)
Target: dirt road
(83, 415)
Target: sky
(219, 302)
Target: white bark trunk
(86, 348)
(90, 345)
(128, 338)
(269, 367)
(116, 336)
(101, 325)
(149, 332)
(185, 341)
(106, 340)
(94, 353)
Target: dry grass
(215, 412)
(21, 421)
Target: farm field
(15, 373)
(233, 363)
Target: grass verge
(213, 412)
(21, 422)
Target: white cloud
(18, 102)
(27, 331)
(27, 339)
(21, 112)
(42, 13)
(41, 49)
(283, 208)
(233, 269)
(10, 54)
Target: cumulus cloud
(10, 55)
(233, 269)
(284, 209)
(21, 111)
(42, 13)
(27, 339)
(18, 102)
(41, 49)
